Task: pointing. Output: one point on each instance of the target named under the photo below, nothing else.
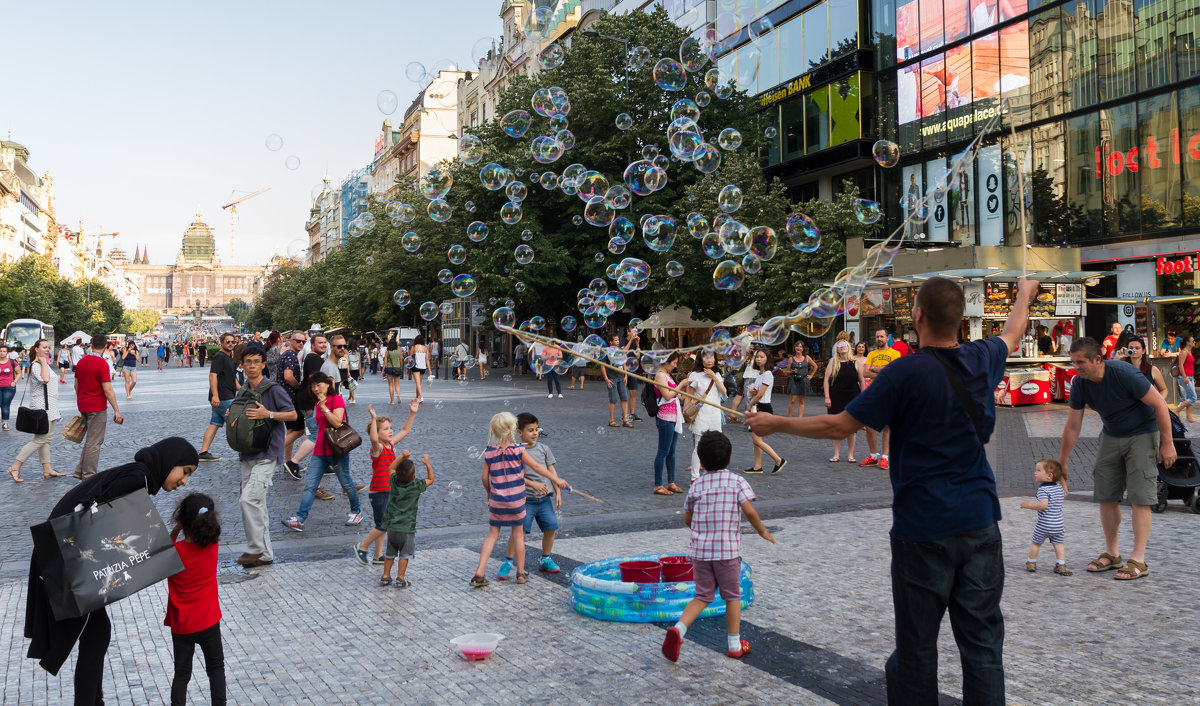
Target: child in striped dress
(504, 484)
(1050, 525)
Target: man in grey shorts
(1135, 438)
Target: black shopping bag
(102, 553)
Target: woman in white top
(758, 399)
(420, 356)
(706, 382)
(43, 394)
(481, 358)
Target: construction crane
(233, 219)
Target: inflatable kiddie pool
(597, 591)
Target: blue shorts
(130, 368)
(543, 509)
(618, 390)
(218, 412)
(379, 503)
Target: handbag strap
(960, 389)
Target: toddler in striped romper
(1050, 525)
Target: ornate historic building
(197, 280)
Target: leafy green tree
(32, 288)
(237, 309)
(140, 320)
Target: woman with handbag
(707, 383)
(10, 375)
(669, 421)
(330, 412)
(164, 466)
(43, 392)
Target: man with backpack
(254, 428)
(222, 387)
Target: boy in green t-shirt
(400, 517)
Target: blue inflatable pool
(597, 591)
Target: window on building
(769, 68)
(844, 110)
(816, 120)
(792, 128)
(1045, 64)
(1155, 27)
(816, 36)
(1160, 203)
(791, 48)
(843, 27)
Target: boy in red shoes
(713, 512)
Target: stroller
(1182, 480)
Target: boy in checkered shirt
(713, 512)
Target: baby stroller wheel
(1161, 505)
(1195, 505)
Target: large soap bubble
(457, 254)
(511, 213)
(410, 241)
(866, 211)
(515, 123)
(692, 54)
(729, 139)
(428, 311)
(504, 317)
(886, 153)
(463, 285)
(551, 57)
(523, 253)
(470, 149)
(707, 159)
(387, 102)
(803, 233)
(401, 298)
(730, 198)
(670, 75)
(477, 231)
(624, 121)
(439, 210)
(728, 275)
(436, 182)
(494, 176)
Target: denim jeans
(552, 381)
(6, 398)
(666, 451)
(340, 465)
(964, 573)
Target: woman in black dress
(842, 384)
(164, 466)
(800, 369)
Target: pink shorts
(725, 574)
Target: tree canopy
(32, 288)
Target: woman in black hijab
(164, 466)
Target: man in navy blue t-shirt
(946, 549)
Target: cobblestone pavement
(819, 634)
(821, 625)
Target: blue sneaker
(547, 564)
(506, 570)
(360, 555)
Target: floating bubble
(428, 311)
(446, 308)
(670, 75)
(292, 163)
(367, 220)
(549, 181)
(405, 213)
(557, 123)
(370, 260)
(770, 132)
(523, 254)
(517, 191)
(763, 243)
(643, 178)
(551, 57)
(519, 286)
(515, 123)
(511, 213)
(463, 285)
(526, 235)
(707, 160)
(577, 219)
(415, 71)
(545, 150)
(751, 264)
(439, 210)
(621, 230)
(692, 54)
(469, 206)
(803, 233)
(618, 197)
(649, 151)
(729, 139)
(730, 198)
(711, 245)
(658, 238)
(274, 142)
(387, 102)
(759, 27)
(567, 323)
(674, 269)
(866, 211)
(638, 57)
(444, 276)
(728, 275)
(401, 298)
(504, 317)
(598, 212)
(703, 98)
(886, 153)
(436, 182)
(593, 318)
(477, 231)
(685, 141)
(410, 241)
(494, 177)
(735, 237)
(624, 121)
(454, 489)
(685, 108)
(456, 254)
(566, 138)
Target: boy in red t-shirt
(93, 389)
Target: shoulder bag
(341, 439)
(691, 408)
(34, 421)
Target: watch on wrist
(271, 416)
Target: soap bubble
(274, 142)
(463, 285)
(387, 102)
(649, 151)
(456, 254)
(728, 275)
(415, 71)
(410, 241)
(470, 149)
(624, 121)
(444, 276)
(670, 75)
(643, 178)
(292, 163)
(618, 197)
(659, 238)
(405, 213)
(621, 230)
(494, 177)
(730, 198)
(803, 233)
(763, 242)
(567, 323)
(703, 98)
(711, 245)
(674, 269)
(866, 211)
(519, 286)
(692, 54)
(472, 451)
(436, 182)
(707, 160)
(402, 298)
(454, 489)
(557, 123)
(770, 132)
(598, 212)
(729, 139)
(370, 259)
(428, 311)
(686, 141)
(446, 308)
(886, 153)
(551, 57)
(477, 231)
(685, 108)
(524, 254)
(439, 210)
(504, 316)
(747, 69)
(735, 237)
(751, 264)
(638, 57)
(515, 123)
(566, 138)
(759, 27)
(591, 185)
(517, 191)
(545, 150)
(511, 213)
(577, 219)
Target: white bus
(26, 332)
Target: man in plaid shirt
(713, 512)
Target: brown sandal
(53, 474)
(674, 488)
(16, 474)
(659, 490)
(1114, 562)
(1133, 569)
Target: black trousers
(89, 667)
(214, 663)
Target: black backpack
(243, 433)
(650, 399)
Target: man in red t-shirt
(93, 389)
(1110, 342)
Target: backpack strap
(960, 389)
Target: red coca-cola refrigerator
(1060, 381)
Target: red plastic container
(641, 571)
(676, 568)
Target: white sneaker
(354, 519)
(550, 396)
(560, 396)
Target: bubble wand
(614, 368)
(580, 492)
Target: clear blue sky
(145, 111)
